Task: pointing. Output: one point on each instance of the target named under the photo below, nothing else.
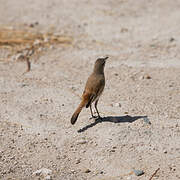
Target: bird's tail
(76, 113)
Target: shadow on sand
(114, 119)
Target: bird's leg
(96, 102)
(91, 112)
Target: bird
(93, 89)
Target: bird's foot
(93, 117)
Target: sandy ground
(142, 39)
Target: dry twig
(154, 173)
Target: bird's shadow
(115, 119)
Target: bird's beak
(106, 58)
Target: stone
(23, 85)
(78, 161)
(171, 39)
(44, 172)
(81, 141)
(112, 150)
(138, 172)
(31, 25)
(87, 171)
(117, 105)
(146, 120)
(129, 178)
(48, 177)
(148, 76)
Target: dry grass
(23, 44)
(14, 38)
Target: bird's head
(99, 64)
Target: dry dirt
(142, 39)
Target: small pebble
(129, 178)
(31, 25)
(148, 77)
(171, 39)
(138, 172)
(87, 171)
(78, 161)
(146, 120)
(43, 171)
(82, 141)
(23, 85)
(117, 105)
(112, 150)
(48, 177)
(123, 30)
